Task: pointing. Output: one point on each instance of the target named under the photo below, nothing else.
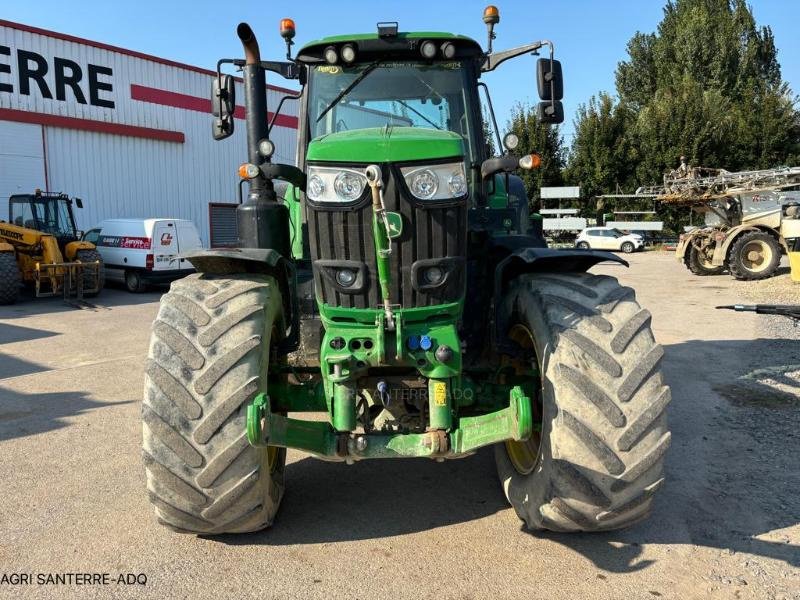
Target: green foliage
(707, 85)
(542, 139)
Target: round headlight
(331, 57)
(266, 148)
(433, 275)
(511, 141)
(345, 277)
(348, 186)
(315, 188)
(428, 49)
(457, 185)
(424, 184)
(448, 50)
(348, 53)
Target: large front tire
(89, 278)
(754, 255)
(599, 457)
(10, 279)
(208, 358)
(699, 264)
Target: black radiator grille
(428, 233)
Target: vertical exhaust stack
(262, 221)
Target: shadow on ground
(111, 296)
(328, 502)
(22, 414)
(728, 480)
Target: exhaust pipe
(263, 222)
(252, 55)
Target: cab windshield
(394, 93)
(46, 215)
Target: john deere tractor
(400, 286)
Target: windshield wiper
(348, 89)
(411, 108)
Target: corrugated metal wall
(119, 176)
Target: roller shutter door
(222, 225)
(21, 161)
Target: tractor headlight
(331, 184)
(436, 182)
(349, 185)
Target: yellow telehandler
(40, 245)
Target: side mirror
(549, 79)
(78, 202)
(550, 112)
(223, 104)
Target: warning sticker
(439, 393)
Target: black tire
(583, 245)
(602, 405)
(741, 262)
(208, 358)
(134, 282)
(10, 279)
(628, 247)
(698, 264)
(90, 256)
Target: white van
(137, 252)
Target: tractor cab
(45, 212)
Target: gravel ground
(726, 525)
(775, 290)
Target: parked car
(609, 238)
(138, 252)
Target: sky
(589, 36)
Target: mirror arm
(493, 60)
(287, 70)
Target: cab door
(165, 246)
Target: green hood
(386, 144)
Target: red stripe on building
(23, 116)
(176, 100)
(149, 57)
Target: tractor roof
(370, 46)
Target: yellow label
(440, 393)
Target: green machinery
(399, 285)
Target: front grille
(345, 234)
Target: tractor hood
(386, 144)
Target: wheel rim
(627, 248)
(524, 456)
(756, 256)
(273, 452)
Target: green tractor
(399, 285)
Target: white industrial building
(128, 133)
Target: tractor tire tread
(206, 361)
(604, 441)
(10, 279)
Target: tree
(602, 155)
(706, 85)
(542, 139)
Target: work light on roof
(331, 56)
(428, 49)
(348, 53)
